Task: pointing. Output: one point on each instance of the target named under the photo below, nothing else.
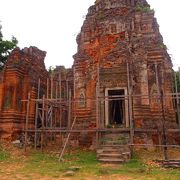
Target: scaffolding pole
(42, 123)
(177, 98)
(69, 110)
(97, 107)
(60, 98)
(36, 115)
(27, 120)
(67, 139)
(130, 106)
(161, 98)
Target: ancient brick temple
(121, 53)
(121, 77)
(20, 77)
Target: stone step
(114, 139)
(115, 135)
(113, 143)
(113, 150)
(114, 146)
(171, 166)
(170, 163)
(109, 160)
(113, 155)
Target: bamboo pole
(67, 89)
(179, 87)
(66, 142)
(56, 91)
(27, 120)
(74, 82)
(36, 116)
(60, 97)
(55, 118)
(157, 79)
(97, 116)
(47, 93)
(125, 130)
(161, 97)
(42, 123)
(44, 110)
(177, 98)
(60, 101)
(69, 110)
(103, 98)
(51, 86)
(97, 107)
(179, 73)
(130, 106)
(51, 107)
(164, 131)
(74, 93)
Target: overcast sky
(52, 25)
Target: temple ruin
(20, 77)
(119, 89)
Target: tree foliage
(6, 47)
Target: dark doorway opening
(116, 107)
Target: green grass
(47, 165)
(136, 169)
(41, 164)
(4, 154)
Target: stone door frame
(107, 105)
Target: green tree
(6, 47)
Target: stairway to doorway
(114, 148)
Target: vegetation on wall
(177, 82)
(51, 70)
(6, 47)
(101, 15)
(144, 8)
(97, 1)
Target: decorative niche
(82, 99)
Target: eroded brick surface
(119, 42)
(114, 33)
(20, 77)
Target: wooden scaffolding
(55, 114)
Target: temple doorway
(116, 107)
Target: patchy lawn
(15, 164)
